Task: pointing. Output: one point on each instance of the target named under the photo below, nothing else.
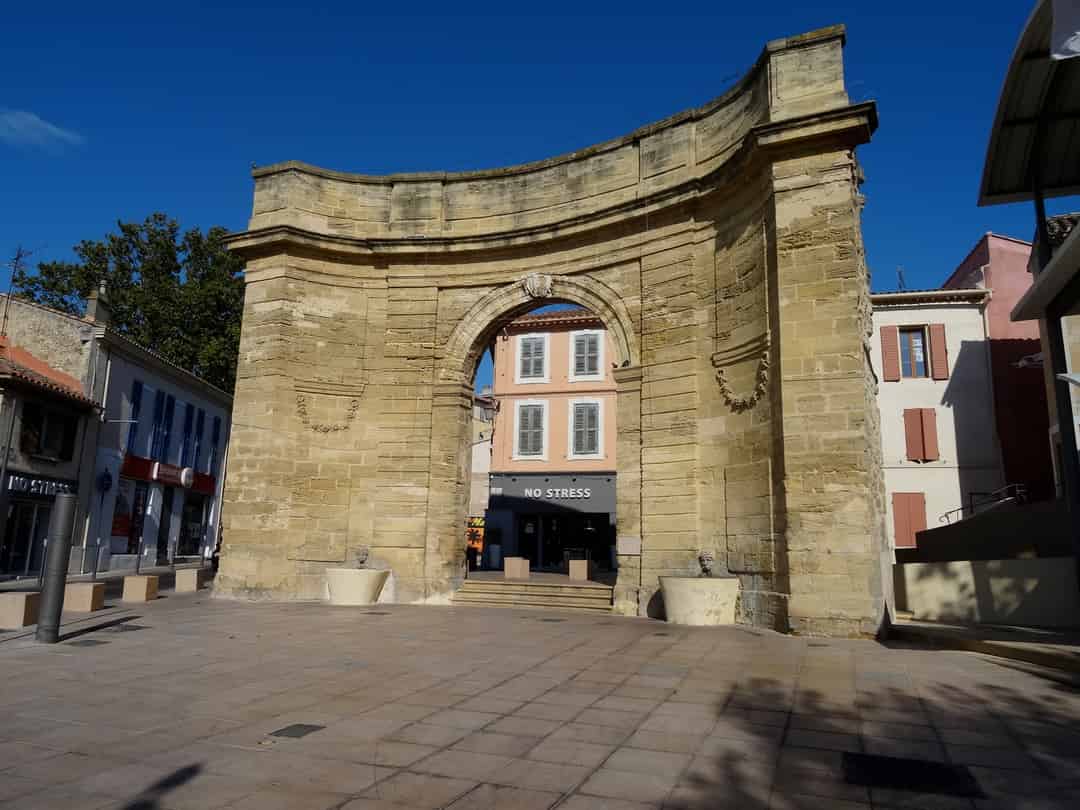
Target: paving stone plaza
(196, 703)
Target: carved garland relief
(755, 347)
(307, 391)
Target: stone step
(603, 603)
(553, 608)
(495, 586)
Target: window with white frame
(530, 430)
(532, 358)
(587, 355)
(586, 428)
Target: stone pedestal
(140, 588)
(579, 569)
(354, 586)
(18, 609)
(700, 601)
(516, 567)
(188, 580)
(84, 597)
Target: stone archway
(721, 246)
(452, 414)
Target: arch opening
(542, 475)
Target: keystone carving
(537, 285)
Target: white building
(150, 472)
(936, 402)
(160, 459)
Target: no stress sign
(559, 493)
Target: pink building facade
(552, 480)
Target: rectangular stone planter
(19, 609)
(579, 569)
(84, 597)
(143, 588)
(188, 580)
(700, 601)
(515, 567)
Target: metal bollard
(61, 523)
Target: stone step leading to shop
(590, 597)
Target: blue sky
(112, 110)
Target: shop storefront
(161, 512)
(26, 524)
(551, 519)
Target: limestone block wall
(720, 247)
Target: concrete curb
(1064, 657)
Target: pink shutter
(929, 434)
(902, 535)
(909, 517)
(913, 433)
(939, 356)
(916, 514)
(890, 353)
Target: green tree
(178, 294)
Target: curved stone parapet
(797, 81)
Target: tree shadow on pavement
(792, 744)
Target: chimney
(97, 306)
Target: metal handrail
(1017, 492)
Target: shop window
(47, 433)
(133, 415)
(585, 432)
(532, 358)
(530, 429)
(587, 360)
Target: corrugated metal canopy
(1036, 86)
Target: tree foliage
(178, 294)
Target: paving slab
(475, 708)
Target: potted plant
(702, 600)
(358, 585)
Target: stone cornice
(846, 126)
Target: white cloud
(22, 128)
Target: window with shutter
(939, 357)
(920, 434)
(586, 361)
(909, 517)
(913, 352)
(530, 438)
(136, 406)
(890, 354)
(585, 431)
(531, 359)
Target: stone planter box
(140, 588)
(515, 567)
(700, 601)
(84, 597)
(354, 586)
(188, 580)
(19, 609)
